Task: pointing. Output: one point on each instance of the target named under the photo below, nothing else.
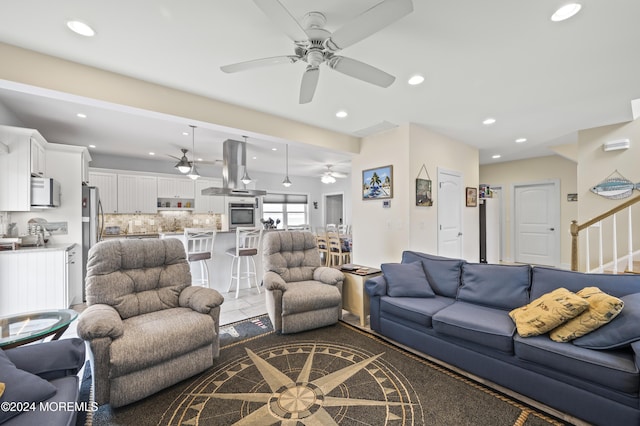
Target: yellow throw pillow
(602, 309)
(547, 312)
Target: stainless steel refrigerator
(92, 222)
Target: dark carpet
(334, 375)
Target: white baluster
(600, 260)
(630, 243)
(615, 244)
(588, 248)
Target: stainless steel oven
(242, 214)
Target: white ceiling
(505, 59)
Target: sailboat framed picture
(377, 184)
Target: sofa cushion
(443, 273)
(613, 369)
(544, 280)
(497, 286)
(547, 312)
(418, 310)
(144, 342)
(620, 331)
(478, 324)
(21, 387)
(406, 280)
(602, 309)
(305, 296)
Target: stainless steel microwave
(45, 192)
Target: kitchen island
(40, 278)
(220, 262)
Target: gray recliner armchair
(300, 293)
(147, 326)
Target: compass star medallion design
(308, 383)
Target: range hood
(234, 161)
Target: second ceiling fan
(315, 45)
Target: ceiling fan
(185, 164)
(329, 176)
(315, 45)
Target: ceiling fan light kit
(327, 179)
(184, 165)
(315, 45)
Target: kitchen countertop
(140, 234)
(46, 247)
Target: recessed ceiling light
(489, 121)
(254, 158)
(274, 149)
(521, 140)
(81, 115)
(199, 159)
(566, 12)
(185, 133)
(81, 28)
(496, 156)
(416, 79)
(92, 146)
(152, 153)
(342, 114)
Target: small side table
(354, 298)
(20, 329)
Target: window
(291, 209)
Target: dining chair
(248, 241)
(199, 245)
(323, 248)
(338, 255)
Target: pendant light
(286, 182)
(245, 177)
(193, 173)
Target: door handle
(459, 234)
(552, 229)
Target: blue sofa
(464, 321)
(41, 383)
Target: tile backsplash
(165, 221)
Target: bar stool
(248, 242)
(199, 245)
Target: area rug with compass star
(337, 375)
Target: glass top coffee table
(20, 329)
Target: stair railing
(596, 222)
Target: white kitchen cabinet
(33, 280)
(38, 158)
(73, 275)
(137, 194)
(107, 184)
(16, 166)
(208, 203)
(182, 188)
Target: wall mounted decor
(615, 187)
(377, 184)
(424, 197)
(472, 196)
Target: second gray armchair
(301, 294)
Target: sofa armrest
(376, 286)
(636, 349)
(273, 281)
(50, 360)
(100, 321)
(200, 299)
(328, 275)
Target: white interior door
(536, 210)
(334, 208)
(450, 196)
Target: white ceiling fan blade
(257, 63)
(361, 71)
(309, 84)
(369, 22)
(339, 175)
(281, 16)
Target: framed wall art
(423, 192)
(472, 196)
(377, 184)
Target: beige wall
(507, 174)
(381, 234)
(596, 165)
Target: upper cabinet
(208, 203)
(137, 194)
(175, 188)
(26, 155)
(107, 184)
(38, 158)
